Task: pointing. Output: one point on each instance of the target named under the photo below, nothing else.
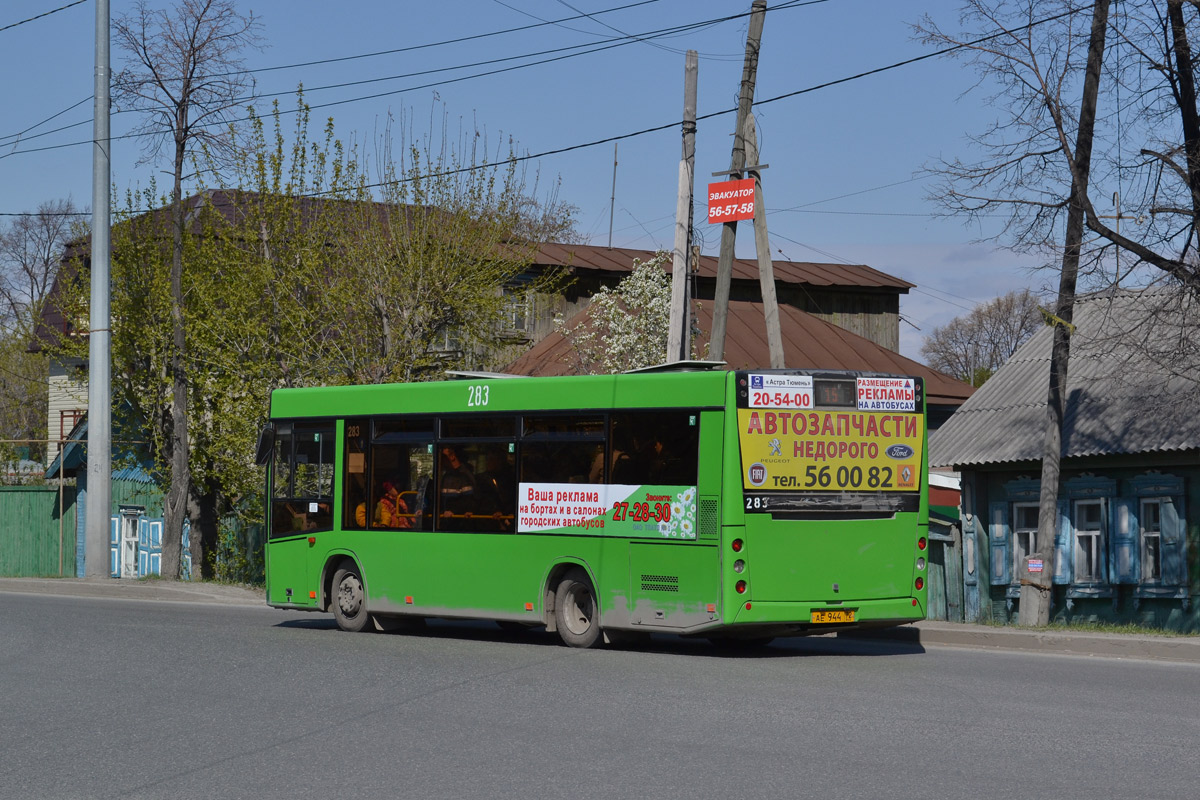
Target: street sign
(730, 201)
(1035, 564)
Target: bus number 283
(477, 396)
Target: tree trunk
(1036, 586)
(202, 542)
(177, 494)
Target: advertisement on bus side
(601, 509)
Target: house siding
(67, 398)
(1115, 599)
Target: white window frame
(1150, 539)
(1019, 552)
(1087, 543)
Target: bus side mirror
(266, 444)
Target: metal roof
(808, 342)
(620, 260)
(1132, 381)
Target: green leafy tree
(625, 327)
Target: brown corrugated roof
(809, 342)
(620, 260)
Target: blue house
(1127, 540)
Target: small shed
(136, 515)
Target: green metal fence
(35, 539)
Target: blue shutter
(1062, 544)
(114, 558)
(1173, 543)
(999, 533)
(1126, 547)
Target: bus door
(301, 509)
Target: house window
(1025, 516)
(1089, 541)
(1150, 525)
(516, 308)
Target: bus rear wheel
(575, 610)
(349, 599)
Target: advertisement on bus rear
(868, 437)
(600, 509)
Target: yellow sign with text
(836, 451)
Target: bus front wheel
(575, 610)
(349, 599)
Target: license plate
(833, 615)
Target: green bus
(733, 505)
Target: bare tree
(184, 71)
(1031, 54)
(31, 249)
(1039, 167)
(972, 347)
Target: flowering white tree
(625, 327)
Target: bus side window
(655, 447)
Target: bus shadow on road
(852, 643)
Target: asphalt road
(122, 698)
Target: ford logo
(899, 452)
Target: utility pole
(99, 452)
(762, 248)
(737, 164)
(679, 339)
(612, 200)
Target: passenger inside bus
(496, 491)
(391, 511)
(457, 487)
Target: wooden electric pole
(762, 248)
(679, 339)
(737, 163)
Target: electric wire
(43, 14)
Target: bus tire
(349, 600)
(575, 610)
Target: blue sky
(844, 182)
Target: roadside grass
(1082, 626)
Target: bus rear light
(914, 601)
(921, 543)
(312, 595)
(920, 584)
(739, 566)
(737, 545)
(712, 608)
(529, 606)
(747, 606)
(408, 600)
(740, 586)
(920, 563)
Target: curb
(126, 589)
(1185, 649)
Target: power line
(613, 43)
(43, 14)
(618, 137)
